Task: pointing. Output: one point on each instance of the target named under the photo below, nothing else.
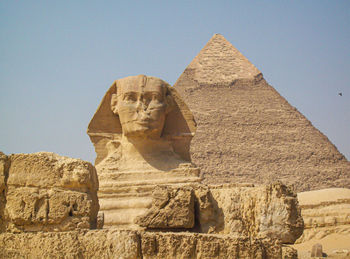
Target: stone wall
(49, 209)
(264, 211)
(71, 244)
(130, 244)
(237, 210)
(47, 192)
(325, 212)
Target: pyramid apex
(218, 35)
(220, 62)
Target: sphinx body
(141, 132)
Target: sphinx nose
(141, 106)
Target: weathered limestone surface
(4, 166)
(247, 132)
(316, 250)
(256, 212)
(289, 253)
(189, 245)
(131, 244)
(48, 192)
(171, 208)
(325, 212)
(326, 216)
(127, 195)
(71, 244)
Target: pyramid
(247, 132)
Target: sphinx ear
(114, 104)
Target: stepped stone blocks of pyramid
(247, 132)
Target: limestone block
(259, 212)
(262, 212)
(207, 212)
(171, 208)
(46, 169)
(289, 253)
(4, 165)
(111, 244)
(190, 245)
(169, 245)
(279, 214)
(100, 220)
(325, 212)
(48, 192)
(316, 250)
(133, 244)
(71, 244)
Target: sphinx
(141, 132)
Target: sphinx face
(140, 103)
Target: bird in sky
(340, 94)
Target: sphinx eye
(156, 97)
(130, 97)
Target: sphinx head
(141, 107)
(142, 103)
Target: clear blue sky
(57, 59)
